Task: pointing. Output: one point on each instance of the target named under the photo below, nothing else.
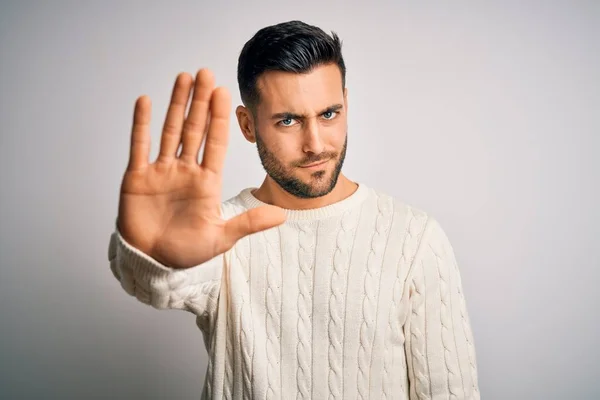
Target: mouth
(314, 165)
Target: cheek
(336, 132)
(274, 143)
(338, 138)
(288, 153)
(283, 150)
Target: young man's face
(301, 129)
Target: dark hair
(292, 46)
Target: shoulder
(414, 217)
(419, 225)
(424, 237)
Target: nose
(313, 143)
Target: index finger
(139, 151)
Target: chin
(322, 185)
(316, 178)
(307, 183)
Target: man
(312, 285)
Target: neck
(271, 193)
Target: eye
(329, 115)
(286, 122)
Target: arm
(169, 210)
(439, 343)
(192, 289)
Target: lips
(315, 164)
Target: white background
(485, 115)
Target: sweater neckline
(359, 195)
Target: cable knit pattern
(272, 318)
(445, 322)
(417, 332)
(210, 367)
(371, 290)
(447, 369)
(339, 274)
(228, 384)
(205, 321)
(247, 340)
(303, 350)
(247, 349)
(289, 313)
(466, 325)
(412, 236)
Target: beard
(285, 178)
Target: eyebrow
(289, 115)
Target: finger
(217, 137)
(171, 136)
(195, 124)
(139, 150)
(252, 221)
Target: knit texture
(361, 299)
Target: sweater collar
(352, 201)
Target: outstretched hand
(170, 209)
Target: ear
(246, 122)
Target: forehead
(288, 91)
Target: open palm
(170, 209)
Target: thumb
(252, 221)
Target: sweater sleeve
(439, 345)
(193, 289)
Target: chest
(338, 274)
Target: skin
(170, 208)
(301, 120)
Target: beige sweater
(361, 299)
